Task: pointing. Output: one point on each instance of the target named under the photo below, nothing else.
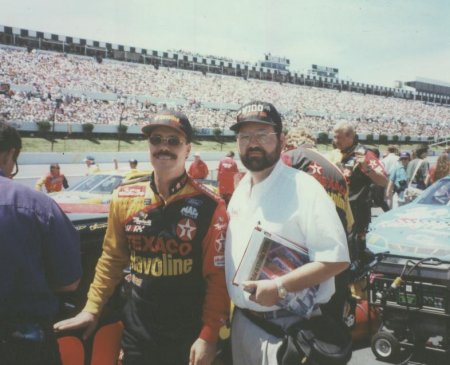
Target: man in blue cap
(92, 167)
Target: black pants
(162, 349)
(156, 334)
(29, 351)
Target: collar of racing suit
(176, 186)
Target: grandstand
(98, 82)
(433, 88)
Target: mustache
(164, 153)
(254, 149)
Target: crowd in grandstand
(204, 98)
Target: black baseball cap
(171, 119)
(258, 112)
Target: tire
(385, 346)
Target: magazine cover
(268, 256)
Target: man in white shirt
(291, 204)
(391, 160)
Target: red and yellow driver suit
(175, 249)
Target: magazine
(268, 256)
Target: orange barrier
(106, 345)
(72, 350)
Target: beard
(259, 163)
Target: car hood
(79, 197)
(412, 230)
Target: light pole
(119, 130)
(57, 105)
(227, 114)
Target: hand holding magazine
(268, 256)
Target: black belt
(280, 313)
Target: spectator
(398, 181)
(377, 192)
(284, 202)
(198, 168)
(418, 168)
(225, 176)
(92, 167)
(54, 181)
(390, 161)
(133, 164)
(440, 170)
(313, 108)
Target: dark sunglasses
(55, 167)
(171, 141)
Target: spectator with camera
(398, 180)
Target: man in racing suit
(171, 231)
(361, 168)
(54, 181)
(301, 154)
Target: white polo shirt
(294, 205)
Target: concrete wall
(45, 158)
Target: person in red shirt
(54, 181)
(198, 168)
(225, 176)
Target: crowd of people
(203, 98)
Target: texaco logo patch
(186, 229)
(219, 242)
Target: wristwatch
(282, 291)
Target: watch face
(282, 292)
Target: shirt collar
(267, 182)
(176, 186)
(349, 151)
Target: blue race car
(419, 229)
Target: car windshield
(437, 194)
(98, 184)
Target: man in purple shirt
(39, 256)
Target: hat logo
(259, 110)
(172, 118)
(252, 108)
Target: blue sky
(376, 41)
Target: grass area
(35, 144)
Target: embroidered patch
(219, 261)
(186, 229)
(131, 191)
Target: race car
(419, 229)
(93, 193)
